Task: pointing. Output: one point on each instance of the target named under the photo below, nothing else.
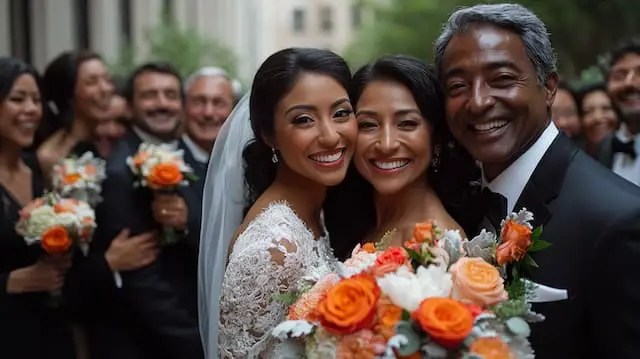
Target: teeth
(27, 125)
(327, 158)
(489, 126)
(391, 165)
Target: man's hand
(129, 253)
(170, 210)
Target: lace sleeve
(267, 260)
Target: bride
(295, 135)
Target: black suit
(155, 315)
(592, 218)
(604, 151)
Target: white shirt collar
(198, 153)
(511, 182)
(149, 138)
(624, 135)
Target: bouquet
(58, 225)
(438, 296)
(163, 169)
(80, 178)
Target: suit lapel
(546, 181)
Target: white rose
(407, 290)
(41, 219)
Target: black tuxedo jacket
(157, 304)
(592, 218)
(604, 151)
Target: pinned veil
(222, 205)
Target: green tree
(184, 48)
(581, 30)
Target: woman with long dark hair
(29, 327)
(79, 95)
(301, 133)
(406, 167)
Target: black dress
(30, 328)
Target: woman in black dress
(30, 328)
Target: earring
(435, 161)
(274, 157)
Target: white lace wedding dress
(256, 273)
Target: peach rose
(478, 282)
(361, 345)
(516, 240)
(56, 240)
(350, 305)
(165, 175)
(447, 321)
(491, 348)
(369, 247)
(388, 316)
(305, 307)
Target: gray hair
(212, 71)
(513, 17)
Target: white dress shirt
(198, 153)
(149, 138)
(511, 182)
(623, 164)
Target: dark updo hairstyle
(60, 78)
(349, 209)
(273, 81)
(10, 69)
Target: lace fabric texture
(273, 254)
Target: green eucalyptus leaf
(414, 341)
(519, 327)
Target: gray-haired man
(498, 70)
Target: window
(326, 19)
(81, 9)
(125, 22)
(298, 20)
(20, 25)
(356, 16)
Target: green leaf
(406, 315)
(288, 299)
(538, 245)
(537, 232)
(414, 255)
(530, 262)
(191, 177)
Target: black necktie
(495, 206)
(628, 148)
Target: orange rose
(423, 232)
(165, 175)
(140, 158)
(491, 348)
(390, 260)
(516, 240)
(64, 206)
(369, 248)
(56, 240)
(478, 282)
(71, 178)
(447, 321)
(350, 305)
(388, 316)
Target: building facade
(38, 30)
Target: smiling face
(315, 130)
(209, 103)
(21, 112)
(94, 90)
(495, 106)
(394, 147)
(564, 113)
(157, 103)
(624, 85)
(599, 119)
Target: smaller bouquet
(58, 225)
(437, 296)
(163, 169)
(80, 178)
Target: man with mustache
(497, 68)
(154, 312)
(620, 150)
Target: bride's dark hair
(349, 209)
(274, 80)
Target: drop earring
(274, 157)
